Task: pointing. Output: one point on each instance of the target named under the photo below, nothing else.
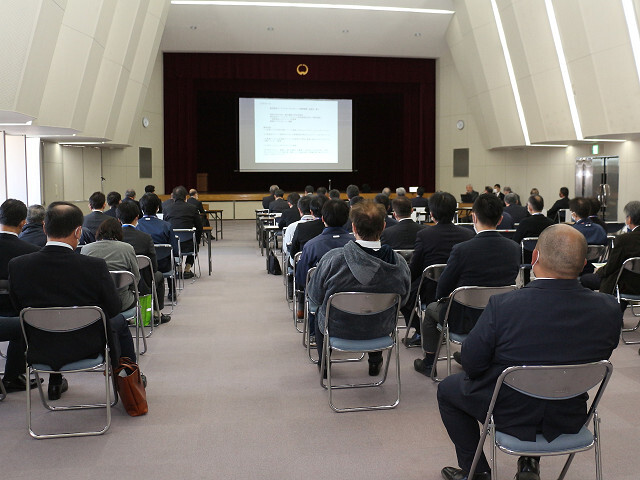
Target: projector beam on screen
(295, 135)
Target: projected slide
(295, 134)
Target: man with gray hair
(400, 192)
(557, 322)
(33, 231)
(517, 212)
(269, 198)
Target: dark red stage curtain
(393, 105)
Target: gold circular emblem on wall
(302, 69)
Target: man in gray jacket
(361, 266)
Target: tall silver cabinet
(598, 177)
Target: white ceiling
(288, 30)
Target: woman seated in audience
(118, 255)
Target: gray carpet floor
(232, 394)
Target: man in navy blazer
(487, 260)
(402, 235)
(551, 321)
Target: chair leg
(596, 440)
(630, 330)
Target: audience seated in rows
(321, 191)
(580, 210)
(487, 260)
(113, 200)
(305, 231)
(279, 204)
(401, 192)
(97, 205)
(334, 194)
(433, 246)
(183, 215)
(308, 190)
(117, 254)
(595, 211)
(130, 196)
(79, 280)
(304, 208)
(551, 321)
(533, 225)
(292, 214)
(33, 230)
(402, 235)
(352, 192)
(506, 223)
(517, 212)
(507, 190)
(269, 198)
(361, 266)
(385, 201)
(561, 204)
(419, 200)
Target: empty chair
(363, 313)
(550, 382)
(41, 327)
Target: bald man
(551, 321)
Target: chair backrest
(61, 319)
(4, 287)
(123, 278)
(595, 252)
(185, 234)
(310, 273)
(143, 261)
(362, 315)
(527, 244)
(433, 272)
(406, 254)
(476, 297)
(631, 264)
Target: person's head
(352, 191)
(179, 193)
(293, 198)
(321, 191)
(127, 212)
(150, 203)
(97, 201)
(632, 214)
(110, 229)
(400, 192)
(335, 213)
(317, 202)
(510, 198)
(308, 190)
(535, 204)
(304, 205)
(564, 192)
(354, 200)
(506, 190)
(560, 253)
(401, 207)
(595, 206)
(580, 207)
(193, 193)
(35, 214)
(487, 211)
(13, 213)
(442, 206)
(496, 187)
(131, 193)
(279, 193)
(63, 223)
(420, 191)
(469, 188)
(272, 189)
(488, 189)
(384, 200)
(534, 191)
(386, 191)
(113, 199)
(368, 220)
(150, 189)
(334, 194)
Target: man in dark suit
(401, 236)
(33, 231)
(79, 280)
(384, 200)
(279, 205)
(433, 245)
(557, 322)
(142, 244)
(419, 200)
(487, 260)
(470, 194)
(130, 196)
(292, 214)
(269, 198)
(517, 212)
(561, 204)
(185, 215)
(308, 230)
(97, 205)
(533, 225)
(625, 246)
(113, 200)
(195, 201)
(12, 219)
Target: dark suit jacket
(58, 277)
(289, 216)
(196, 203)
(279, 205)
(507, 222)
(561, 204)
(625, 246)
(267, 200)
(531, 226)
(93, 220)
(184, 215)
(402, 235)
(142, 244)
(34, 234)
(305, 232)
(166, 206)
(111, 212)
(487, 260)
(548, 322)
(517, 212)
(420, 202)
(11, 247)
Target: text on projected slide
(296, 131)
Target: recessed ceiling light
(313, 5)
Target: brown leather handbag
(131, 388)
